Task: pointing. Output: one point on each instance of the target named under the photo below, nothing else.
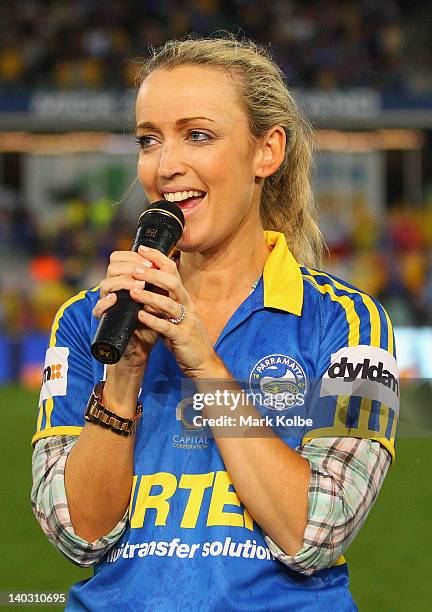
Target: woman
(177, 514)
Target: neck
(226, 271)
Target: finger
(166, 281)
(153, 255)
(161, 326)
(125, 256)
(160, 261)
(124, 268)
(116, 283)
(103, 304)
(156, 302)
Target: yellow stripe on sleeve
(341, 411)
(347, 304)
(40, 415)
(365, 411)
(49, 404)
(389, 446)
(49, 407)
(62, 430)
(384, 415)
(390, 344)
(80, 296)
(393, 430)
(340, 561)
(375, 321)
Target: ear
(270, 152)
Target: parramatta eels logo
(280, 380)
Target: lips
(190, 205)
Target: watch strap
(98, 414)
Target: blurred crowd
(390, 258)
(63, 44)
(42, 265)
(93, 44)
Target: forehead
(188, 91)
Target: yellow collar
(283, 281)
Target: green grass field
(389, 562)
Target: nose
(171, 161)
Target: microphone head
(160, 226)
(166, 208)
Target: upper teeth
(178, 196)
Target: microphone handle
(108, 344)
(117, 325)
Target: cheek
(237, 180)
(146, 171)
(229, 170)
(143, 172)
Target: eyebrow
(179, 122)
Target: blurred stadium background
(362, 72)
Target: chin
(196, 241)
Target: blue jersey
(319, 356)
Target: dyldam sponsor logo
(363, 371)
(350, 372)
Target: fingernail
(109, 296)
(145, 265)
(139, 285)
(143, 248)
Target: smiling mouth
(186, 200)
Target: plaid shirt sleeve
(49, 503)
(346, 476)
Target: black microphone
(160, 227)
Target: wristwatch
(98, 414)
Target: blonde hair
(287, 203)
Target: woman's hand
(121, 274)
(188, 340)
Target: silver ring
(180, 318)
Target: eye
(197, 136)
(144, 142)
